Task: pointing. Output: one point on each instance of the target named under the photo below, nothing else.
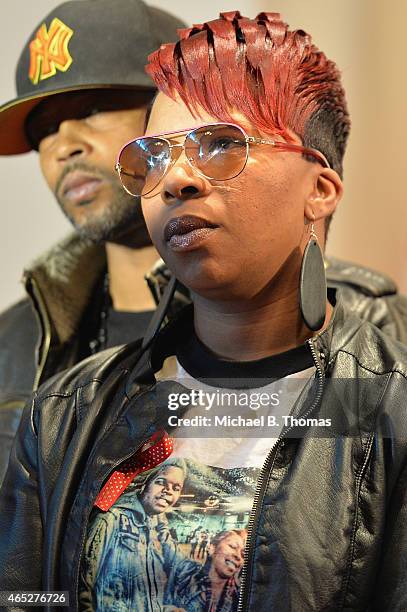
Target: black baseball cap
(84, 44)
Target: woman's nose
(183, 183)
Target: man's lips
(163, 501)
(78, 187)
(186, 232)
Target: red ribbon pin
(156, 450)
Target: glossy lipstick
(187, 232)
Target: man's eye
(98, 116)
(43, 131)
(39, 130)
(51, 128)
(88, 111)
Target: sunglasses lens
(143, 163)
(218, 151)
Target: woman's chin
(220, 290)
(216, 281)
(216, 289)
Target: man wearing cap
(81, 94)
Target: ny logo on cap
(49, 51)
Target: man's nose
(71, 140)
(183, 183)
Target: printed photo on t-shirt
(173, 541)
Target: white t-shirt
(175, 539)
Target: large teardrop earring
(313, 284)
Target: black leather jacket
(43, 334)
(50, 330)
(328, 530)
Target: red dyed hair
(275, 77)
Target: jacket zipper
(83, 539)
(262, 484)
(258, 496)
(45, 342)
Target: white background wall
(365, 38)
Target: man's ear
(324, 197)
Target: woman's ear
(324, 197)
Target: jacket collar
(341, 328)
(62, 281)
(65, 277)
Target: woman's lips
(79, 188)
(187, 232)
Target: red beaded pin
(156, 450)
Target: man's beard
(121, 220)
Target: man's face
(163, 491)
(228, 555)
(257, 221)
(79, 135)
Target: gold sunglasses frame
(249, 140)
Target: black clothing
(140, 553)
(54, 327)
(124, 327)
(328, 531)
(18, 338)
(203, 365)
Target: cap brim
(13, 115)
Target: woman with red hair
(288, 409)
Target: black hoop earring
(313, 284)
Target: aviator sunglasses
(217, 151)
